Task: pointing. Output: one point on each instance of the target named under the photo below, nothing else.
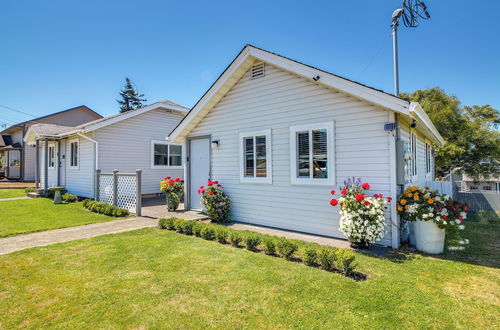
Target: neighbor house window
(486, 187)
(165, 154)
(73, 153)
(413, 149)
(255, 156)
(428, 158)
(312, 154)
(52, 156)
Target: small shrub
(187, 227)
(208, 233)
(197, 227)
(179, 225)
(252, 241)
(286, 248)
(103, 208)
(86, 203)
(235, 238)
(167, 223)
(69, 198)
(345, 262)
(269, 247)
(221, 235)
(29, 189)
(310, 257)
(327, 258)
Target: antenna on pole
(412, 10)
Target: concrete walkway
(26, 241)
(13, 198)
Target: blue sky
(58, 54)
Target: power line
(12, 109)
(373, 57)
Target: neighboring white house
(279, 135)
(127, 141)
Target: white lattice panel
(127, 197)
(106, 188)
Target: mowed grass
(37, 214)
(9, 193)
(160, 279)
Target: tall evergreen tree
(131, 99)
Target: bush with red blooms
(216, 202)
(173, 189)
(361, 216)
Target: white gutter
(96, 148)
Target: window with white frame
(312, 154)
(255, 156)
(428, 158)
(74, 147)
(413, 150)
(52, 156)
(165, 154)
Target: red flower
(333, 192)
(460, 218)
(209, 183)
(344, 191)
(211, 192)
(178, 180)
(215, 182)
(203, 191)
(389, 199)
(221, 187)
(465, 208)
(202, 187)
(168, 177)
(365, 186)
(360, 197)
(199, 190)
(380, 196)
(334, 202)
(367, 203)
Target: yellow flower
(426, 196)
(430, 201)
(415, 197)
(403, 202)
(409, 195)
(399, 208)
(414, 188)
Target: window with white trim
(312, 154)
(74, 147)
(165, 154)
(413, 150)
(255, 156)
(52, 156)
(428, 158)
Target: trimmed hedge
(103, 208)
(69, 198)
(328, 258)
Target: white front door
(62, 163)
(199, 170)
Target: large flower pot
(429, 238)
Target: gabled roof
(249, 54)
(82, 107)
(57, 131)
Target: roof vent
(258, 70)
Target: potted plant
(215, 201)
(433, 214)
(361, 216)
(172, 188)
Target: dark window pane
(260, 156)
(303, 154)
(320, 151)
(249, 157)
(175, 156)
(160, 154)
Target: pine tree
(131, 99)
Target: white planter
(429, 238)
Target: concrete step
(34, 194)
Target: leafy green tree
(471, 133)
(131, 99)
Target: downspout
(96, 156)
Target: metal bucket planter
(172, 200)
(429, 238)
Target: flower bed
(327, 258)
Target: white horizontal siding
(126, 146)
(80, 181)
(280, 100)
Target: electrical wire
(12, 109)
(383, 44)
(412, 11)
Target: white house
(279, 135)
(127, 141)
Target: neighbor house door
(14, 164)
(199, 169)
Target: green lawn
(37, 214)
(8, 193)
(160, 279)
